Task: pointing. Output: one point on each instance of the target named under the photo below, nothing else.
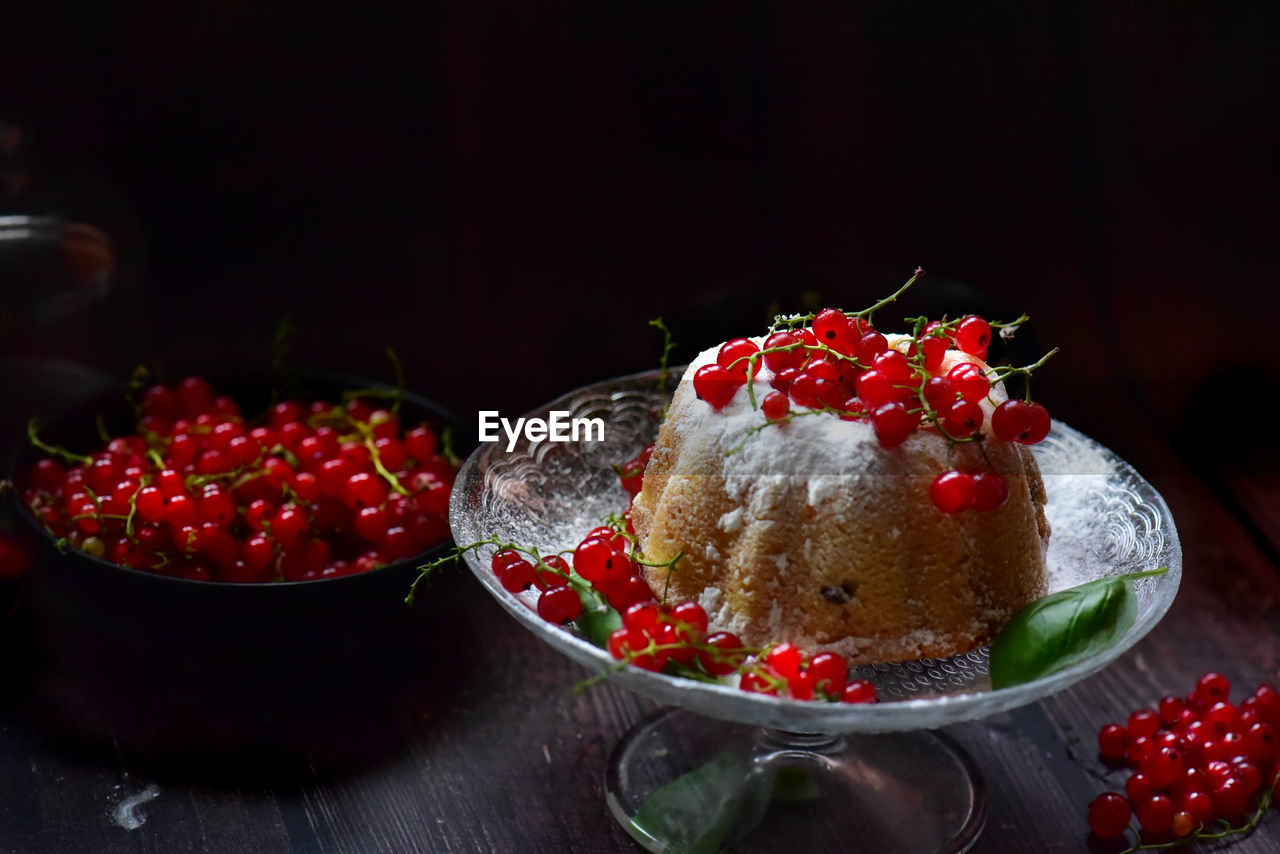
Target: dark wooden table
(497, 753)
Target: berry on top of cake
(848, 490)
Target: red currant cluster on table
(606, 572)
(1200, 765)
(837, 362)
(197, 492)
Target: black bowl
(152, 663)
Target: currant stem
(446, 445)
(1000, 374)
(1012, 324)
(427, 569)
(668, 344)
(869, 313)
(33, 426)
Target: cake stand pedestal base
(680, 782)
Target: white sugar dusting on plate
(1076, 483)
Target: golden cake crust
(837, 547)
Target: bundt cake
(810, 526)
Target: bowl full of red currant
(216, 550)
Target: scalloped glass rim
(529, 492)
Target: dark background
(505, 195)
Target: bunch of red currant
(653, 634)
(840, 363)
(1199, 763)
(606, 570)
(315, 491)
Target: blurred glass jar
(74, 317)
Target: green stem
(381, 469)
(446, 445)
(427, 569)
(1012, 324)
(668, 344)
(1000, 374)
(869, 313)
(54, 450)
(1264, 804)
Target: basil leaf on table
(720, 803)
(694, 813)
(1065, 627)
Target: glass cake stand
(724, 768)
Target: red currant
(692, 616)
(939, 393)
(961, 419)
(517, 576)
(893, 423)
(1169, 708)
(830, 672)
(1222, 718)
(643, 616)
(1199, 804)
(1164, 766)
(783, 351)
(597, 561)
(990, 491)
(1040, 425)
(859, 691)
(715, 385)
(1212, 688)
(501, 558)
(553, 571)
(775, 406)
(724, 654)
(735, 355)
(1112, 740)
(1139, 786)
(1230, 799)
(559, 605)
(973, 335)
(1108, 815)
(1261, 742)
(831, 327)
(1012, 421)
(969, 381)
(1143, 723)
(784, 659)
(870, 344)
(1155, 814)
(952, 491)
(757, 683)
(935, 350)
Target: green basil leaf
(695, 812)
(1064, 628)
